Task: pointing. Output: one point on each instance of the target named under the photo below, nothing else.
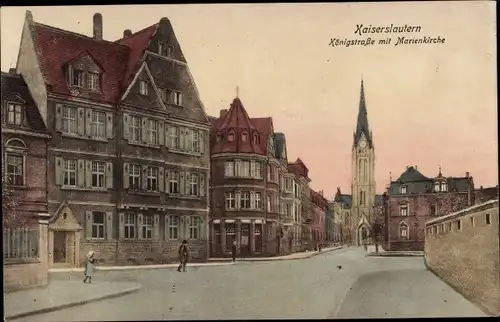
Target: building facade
(244, 185)
(302, 206)
(482, 194)
(128, 159)
(24, 151)
(318, 212)
(413, 199)
(342, 205)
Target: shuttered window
(69, 122)
(194, 184)
(147, 227)
(152, 179)
(98, 220)
(98, 174)
(98, 124)
(134, 177)
(69, 173)
(130, 225)
(135, 129)
(194, 227)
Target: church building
(358, 209)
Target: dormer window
(437, 187)
(174, 97)
(165, 50)
(244, 136)
(230, 136)
(84, 79)
(220, 137)
(14, 114)
(403, 189)
(143, 87)
(255, 138)
(444, 186)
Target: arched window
(437, 187)
(230, 136)
(244, 136)
(403, 231)
(15, 156)
(444, 186)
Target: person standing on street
(233, 250)
(183, 256)
(89, 267)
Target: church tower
(363, 187)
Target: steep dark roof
(486, 194)
(347, 199)
(338, 195)
(13, 84)
(412, 174)
(362, 126)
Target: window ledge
(20, 261)
(178, 196)
(17, 187)
(145, 193)
(146, 145)
(84, 137)
(196, 154)
(84, 189)
(244, 209)
(242, 177)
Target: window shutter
(58, 117)
(156, 226)
(88, 173)
(167, 230)
(109, 125)
(182, 140)
(188, 180)
(202, 228)
(125, 125)
(109, 225)
(144, 129)
(81, 121)
(88, 119)
(126, 166)
(252, 200)
(121, 225)
(237, 196)
(88, 224)
(161, 179)
(161, 134)
(182, 183)
(139, 226)
(80, 175)
(201, 137)
(167, 177)
(144, 177)
(109, 175)
(202, 184)
(58, 173)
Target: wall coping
(464, 212)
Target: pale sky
(428, 104)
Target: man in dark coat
(183, 256)
(233, 250)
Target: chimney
(127, 33)
(12, 71)
(223, 113)
(467, 174)
(98, 26)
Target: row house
(342, 207)
(128, 156)
(24, 155)
(244, 184)
(318, 211)
(332, 224)
(302, 206)
(414, 199)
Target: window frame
(68, 170)
(194, 181)
(152, 176)
(406, 230)
(143, 87)
(173, 137)
(98, 225)
(130, 226)
(174, 181)
(98, 176)
(404, 213)
(172, 227)
(194, 228)
(98, 128)
(69, 122)
(17, 111)
(152, 130)
(258, 200)
(230, 200)
(244, 202)
(147, 226)
(22, 175)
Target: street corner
(60, 295)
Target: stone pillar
(252, 237)
(43, 248)
(223, 236)
(238, 236)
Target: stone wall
(463, 250)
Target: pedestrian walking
(233, 250)
(89, 267)
(183, 256)
(365, 245)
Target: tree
(9, 203)
(448, 203)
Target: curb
(390, 254)
(72, 304)
(277, 259)
(136, 267)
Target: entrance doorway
(363, 235)
(60, 247)
(230, 236)
(245, 240)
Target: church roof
(362, 126)
(412, 174)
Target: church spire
(362, 125)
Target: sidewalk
(130, 267)
(293, 256)
(59, 295)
